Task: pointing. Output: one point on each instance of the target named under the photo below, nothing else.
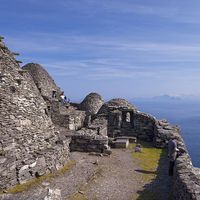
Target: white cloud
(108, 58)
(170, 10)
(104, 46)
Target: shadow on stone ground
(160, 187)
(119, 179)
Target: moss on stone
(37, 181)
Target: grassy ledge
(148, 159)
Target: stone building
(92, 103)
(29, 143)
(62, 115)
(43, 80)
(125, 120)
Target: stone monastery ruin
(38, 131)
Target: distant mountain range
(167, 98)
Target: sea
(182, 112)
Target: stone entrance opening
(127, 117)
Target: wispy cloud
(169, 10)
(148, 44)
(105, 46)
(97, 69)
(173, 11)
(114, 69)
(104, 58)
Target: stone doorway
(128, 118)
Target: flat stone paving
(114, 177)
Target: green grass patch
(148, 159)
(37, 181)
(148, 162)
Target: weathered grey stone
(121, 143)
(92, 103)
(115, 104)
(25, 128)
(43, 81)
(2, 160)
(53, 194)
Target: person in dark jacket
(172, 154)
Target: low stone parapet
(89, 143)
(186, 180)
(121, 143)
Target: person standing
(62, 98)
(172, 154)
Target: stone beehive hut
(92, 103)
(115, 104)
(28, 140)
(42, 79)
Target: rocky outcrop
(92, 103)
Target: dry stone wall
(28, 145)
(86, 140)
(71, 121)
(186, 180)
(42, 79)
(144, 125)
(92, 138)
(92, 103)
(100, 126)
(115, 104)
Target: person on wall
(172, 154)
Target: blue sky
(118, 48)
